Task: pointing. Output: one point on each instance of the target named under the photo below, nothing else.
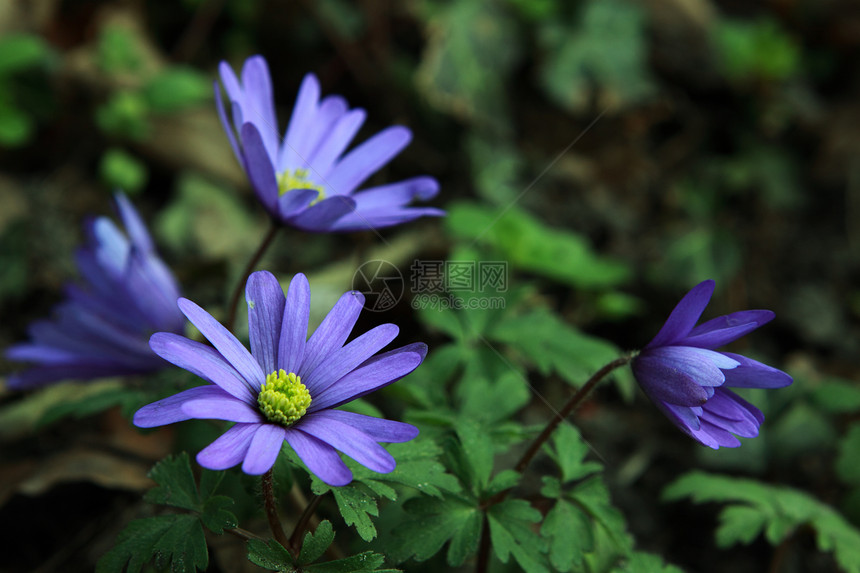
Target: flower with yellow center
(298, 179)
(283, 399)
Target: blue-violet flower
(687, 379)
(306, 181)
(103, 326)
(287, 387)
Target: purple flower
(687, 379)
(287, 387)
(306, 181)
(103, 326)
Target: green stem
(304, 520)
(272, 513)
(237, 293)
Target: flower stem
(272, 513)
(522, 464)
(237, 293)
(304, 520)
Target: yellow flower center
(298, 179)
(283, 399)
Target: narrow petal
(229, 449)
(294, 324)
(322, 459)
(381, 218)
(725, 329)
(301, 121)
(663, 383)
(336, 141)
(685, 315)
(133, 223)
(224, 341)
(264, 449)
(221, 408)
(324, 214)
(379, 429)
(366, 379)
(333, 330)
(259, 167)
(703, 366)
(754, 374)
(342, 361)
(169, 410)
(225, 123)
(295, 201)
(265, 313)
(329, 112)
(397, 194)
(260, 102)
(367, 158)
(204, 361)
(349, 440)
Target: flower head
(687, 379)
(287, 387)
(306, 180)
(103, 326)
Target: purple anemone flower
(103, 326)
(687, 379)
(287, 387)
(306, 181)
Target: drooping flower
(306, 180)
(287, 387)
(103, 326)
(687, 379)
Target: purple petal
(41, 375)
(259, 107)
(381, 218)
(725, 329)
(754, 374)
(664, 383)
(133, 224)
(223, 407)
(229, 449)
(335, 142)
(342, 361)
(294, 327)
(322, 460)
(349, 440)
(225, 123)
(730, 412)
(396, 194)
(324, 214)
(203, 361)
(169, 410)
(333, 330)
(301, 121)
(265, 313)
(295, 201)
(366, 379)
(227, 344)
(330, 110)
(379, 429)
(264, 449)
(259, 167)
(684, 316)
(234, 90)
(367, 158)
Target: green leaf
(511, 533)
(175, 541)
(356, 507)
(569, 451)
(418, 467)
(176, 485)
(569, 533)
(215, 517)
(270, 555)
(756, 50)
(316, 543)
(177, 88)
(119, 169)
(527, 243)
(478, 452)
(505, 479)
(16, 127)
(94, 399)
(21, 51)
(837, 396)
(848, 460)
(431, 523)
(606, 52)
(640, 562)
(490, 402)
(125, 114)
(777, 511)
(367, 561)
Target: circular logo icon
(381, 284)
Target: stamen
(283, 399)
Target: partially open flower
(103, 326)
(687, 379)
(287, 387)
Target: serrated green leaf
(478, 452)
(640, 562)
(367, 561)
(176, 485)
(316, 543)
(215, 517)
(569, 451)
(511, 533)
(491, 402)
(739, 524)
(418, 467)
(175, 541)
(505, 479)
(431, 523)
(569, 534)
(356, 507)
(270, 555)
